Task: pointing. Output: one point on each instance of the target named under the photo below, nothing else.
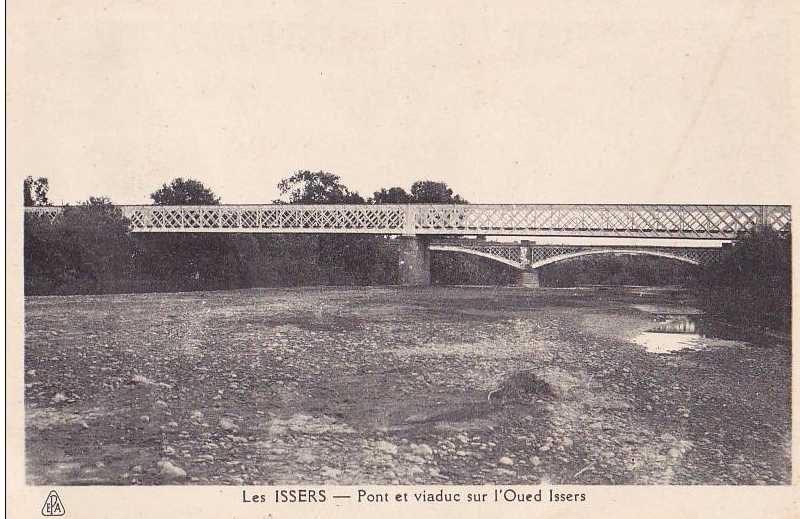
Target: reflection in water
(680, 333)
(676, 326)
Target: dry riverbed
(391, 385)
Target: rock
(535, 461)
(422, 450)
(145, 419)
(505, 460)
(226, 424)
(170, 471)
(388, 448)
(462, 438)
(330, 473)
(306, 458)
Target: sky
(507, 102)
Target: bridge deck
(596, 220)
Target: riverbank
(392, 385)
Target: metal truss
(530, 256)
(625, 221)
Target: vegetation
(184, 192)
(34, 192)
(751, 283)
(88, 249)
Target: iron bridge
(528, 257)
(676, 221)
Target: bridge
(417, 225)
(528, 258)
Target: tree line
(89, 248)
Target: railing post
(409, 223)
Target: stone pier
(414, 261)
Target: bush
(751, 282)
(87, 249)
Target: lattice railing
(635, 220)
(702, 255)
(647, 221)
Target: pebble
(306, 458)
(388, 448)
(422, 450)
(226, 424)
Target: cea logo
(53, 505)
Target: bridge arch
(465, 250)
(629, 252)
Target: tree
(393, 195)
(751, 282)
(431, 192)
(320, 187)
(190, 261)
(34, 192)
(184, 192)
(87, 249)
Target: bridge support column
(528, 278)
(414, 261)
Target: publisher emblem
(53, 505)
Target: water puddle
(672, 333)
